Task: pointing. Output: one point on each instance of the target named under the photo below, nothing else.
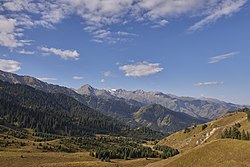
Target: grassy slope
(219, 153)
(213, 151)
(56, 159)
(186, 141)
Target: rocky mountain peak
(86, 89)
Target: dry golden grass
(219, 153)
(215, 152)
(58, 159)
(186, 141)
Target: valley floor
(48, 159)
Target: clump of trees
(111, 147)
(125, 153)
(204, 126)
(167, 151)
(46, 137)
(138, 152)
(247, 110)
(187, 130)
(18, 133)
(234, 133)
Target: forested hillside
(26, 107)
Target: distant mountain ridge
(126, 106)
(162, 119)
(199, 108)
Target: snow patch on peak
(112, 90)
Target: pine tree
(243, 135)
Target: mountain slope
(162, 119)
(195, 107)
(200, 108)
(219, 153)
(115, 108)
(185, 141)
(51, 113)
(203, 145)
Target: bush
(204, 126)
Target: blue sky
(188, 48)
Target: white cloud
(123, 33)
(108, 74)
(155, 10)
(47, 79)
(99, 12)
(161, 23)
(102, 80)
(7, 32)
(208, 83)
(226, 8)
(65, 54)
(9, 65)
(102, 14)
(25, 52)
(141, 69)
(77, 77)
(13, 6)
(103, 35)
(219, 58)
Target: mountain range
(156, 110)
(200, 108)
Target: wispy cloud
(225, 8)
(219, 58)
(112, 37)
(64, 54)
(25, 52)
(124, 33)
(108, 74)
(78, 77)
(102, 80)
(47, 79)
(9, 65)
(208, 83)
(161, 23)
(141, 69)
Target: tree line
(234, 133)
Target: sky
(197, 48)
